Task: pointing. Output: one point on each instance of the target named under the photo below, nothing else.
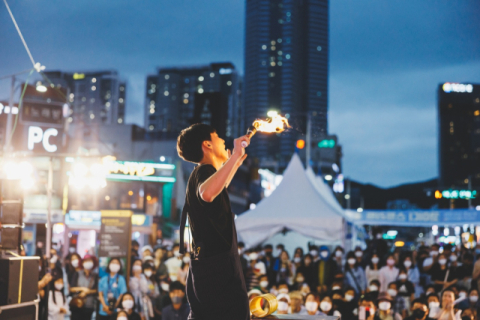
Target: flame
(276, 123)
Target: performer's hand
(237, 145)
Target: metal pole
(309, 140)
(470, 189)
(49, 207)
(9, 117)
(349, 191)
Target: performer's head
(199, 142)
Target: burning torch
(276, 123)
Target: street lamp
(41, 87)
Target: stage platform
(298, 317)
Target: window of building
(151, 127)
(200, 90)
(152, 110)
(319, 93)
(201, 78)
(94, 80)
(167, 77)
(212, 74)
(120, 120)
(279, 40)
(92, 116)
(273, 48)
(319, 48)
(229, 83)
(120, 100)
(264, 47)
(92, 100)
(287, 56)
(272, 74)
(185, 101)
(280, 63)
(94, 88)
(166, 93)
(272, 64)
(122, 88)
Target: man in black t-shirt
(215, 283)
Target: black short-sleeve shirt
(210, 222)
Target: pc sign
(43, 138)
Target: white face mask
(165, 286)
(384, 305)
(351, 261)
(58, 286)
(336, 288)
(75, 263)
(462, 294)
(407, 263)
(473, 298)
(314, 252)
(325, 306)
(453, 258)
(53, 259)
(263, 284)
(433, 305)
(373, 288)
(176, 253)
(282, 306)
(253, 256)
(127, 304)
(240, 251)
(137, 268)
(390, 262)
(358, 254)
(434, 253)
(324, 254)
(349, 297)
(338, 253)
(297, 259)
(402, 276)
(311, 306)
(88, 265)
(114, 267)
(278, 252)
(392, 292)
(283, 290)
(300, 279)
(148, 273)
(186, 259)
(122, 318)
(442, 261)
(375, 260)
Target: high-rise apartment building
(97, 97)
(180, 96)
(286, 69)
(459, 135)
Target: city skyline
(386, 63)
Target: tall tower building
(180, 96)
(459, 135)
(286, 69)
(96, 97)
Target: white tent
(296, 205)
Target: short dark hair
(119, 262)
(189, 141)
(177, 285)
(421, 301)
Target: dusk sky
(386, 61)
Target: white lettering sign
(36, 135)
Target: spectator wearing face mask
(442, 275)
(372, 271)
(337, 258)
(256, 268)
(373, 290)
(252, 294)
(308, 270)
(263, 284)
(465, 271)
(465, 302)
(283, 303)
(399, 304)
(432, 259)
(147, 251)
(74, 265)
(388, 273)
(110, 288)
(473, 300)
(84, 284)
(138, 285)
(313, 252)
(283, 287)
(297, 260)
(384, 304)
(354, 274)
(326, 306)
(359, 257)
(419, 310)
(269, 261)
(298, 282)
(183, 271)
(324, 269)
(278, 250)
(127, 303)
(350, 305)
(179, 309)
(57, 304)
(55, 265)
(122, 315)
(312, 302)
(433, 305)
(163, 299)
(368, 307)
(174, 263)
(284, 268)
(413, 275)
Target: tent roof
(296, 204)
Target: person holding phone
(110, 288)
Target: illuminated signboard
(138, 171)
(328, 143)
(78, 76)
(457, 87)
(456, 194)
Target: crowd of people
(426, 282)
(378, 282)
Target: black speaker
(18, 279)
(11, 214)
(20, 313)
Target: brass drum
(263, 305)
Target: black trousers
(81, 314)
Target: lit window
(92, 116)
(166, 93)
(120, 120)
(212, 74)
(185, 101)
(289, 14)
(319, 48)
(279, 63)
(280, 21)
(151, 127)
(94, 88)
(264, 47)
(279, 40)
(152, 102)
(273, 48)
(70, 119)
(319, 93)
(107, 104)
(229, 83)
(273, 42)
(94, 80)
(92, 100)
(280, 52)
(272, 74)
(186, 95)
(201, 78)
(200, 90)
(476, 113)
(120, 100)
(287, 56)
(272, 64)
(122, 88)
(152, 110)
(167, 77)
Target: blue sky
(386, 60)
